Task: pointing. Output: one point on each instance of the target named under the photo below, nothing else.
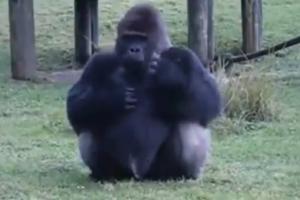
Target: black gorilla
(100, 105)
(133, 123)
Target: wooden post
(211, 34)
(82, 32)
(198, 28)
(22, 41)
(252, 25)
(94, 25)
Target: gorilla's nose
(134, 50)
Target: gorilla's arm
(185, 90)
(203, 102)
(95, 98)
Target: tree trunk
(94, 25)
(22, 40)
(82, 32)
(252, 25)
(198, 28)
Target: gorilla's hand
(153, 64)
(130, 98)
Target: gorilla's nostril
(134, 50)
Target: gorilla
(136, 118)
(100, 105)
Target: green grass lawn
(38, 152)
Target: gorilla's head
(141, 36)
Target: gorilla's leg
(195, 142)
(93, 154)
(184, 154)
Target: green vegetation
(250, 159)
(250, 97)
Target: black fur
(184, 89)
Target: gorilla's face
(132, 48)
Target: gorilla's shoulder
(99, 66)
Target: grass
(38, 156)
(250, 97)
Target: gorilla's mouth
(135, 67)
(133, 60)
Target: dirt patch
(66, 77)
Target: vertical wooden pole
(82, 32)
(251, 25)
(259, 22)
(94, 25)
(198, 28)
(211, 41)
(211, 34)
(22, 39)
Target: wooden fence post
(94, 25)
(22, 40)
(200, 29)
(211, 34)
(83, 38)
(252, 25)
